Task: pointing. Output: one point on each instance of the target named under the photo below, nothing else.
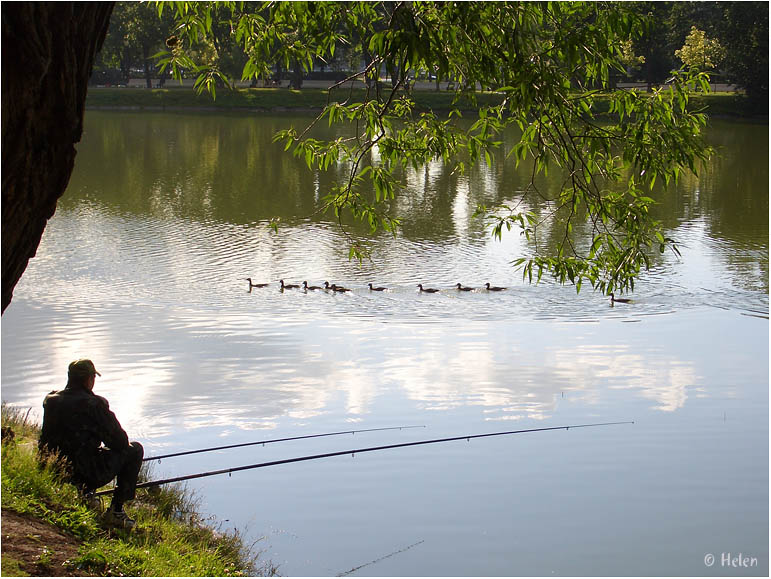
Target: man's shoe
(94, 502)
(118, 520)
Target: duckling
(463, 288)
(307, 287)
(335, 288)
(376, 289)
(494, 288)
(251, 285)
(427, 290)
(614, 299)
(288, 285)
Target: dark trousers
(100, 468)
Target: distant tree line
(739, 28)
(727, 39)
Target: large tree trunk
(48, 49)
(296, 79)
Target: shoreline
(48, 529)
(724, 105)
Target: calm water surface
(142, 269)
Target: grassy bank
(283, 99)
(258, 99)
(169, 538)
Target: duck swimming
(335, 288)
(307, 287)
(614, 299)
(427, 290)
(288, 285)
(463, 288)
(494, 288)
(376, 289)
(251, 285)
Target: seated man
(79, 425)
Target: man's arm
(110, 430)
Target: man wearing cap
(79, 425)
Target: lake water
(143, 270)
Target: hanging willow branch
(550, 64)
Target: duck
(463, 288)
(335, 288)
(494, 288)
(251, 285)
(376, 289)
(614, 299)
(427, 290)
(307, 287)
(288, 285)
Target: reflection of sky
(177, 371)
(666, 381)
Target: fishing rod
(354, 452)
(184, 452)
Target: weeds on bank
(12, 567)
(169, 539)
(34, 485)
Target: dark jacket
(76, 422)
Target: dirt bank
(39, 548)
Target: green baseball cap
(82, 367)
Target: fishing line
(402, 550)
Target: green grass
(726, 104)
(283, 99)
(11, 567)
(261, 99)
(170, 538)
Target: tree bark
(48, 50)
(296, 81)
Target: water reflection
(143, 270)
(183, 369)
(203, 169)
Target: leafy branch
(551, 64)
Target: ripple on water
(120, 259)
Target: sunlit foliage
(700, 52)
